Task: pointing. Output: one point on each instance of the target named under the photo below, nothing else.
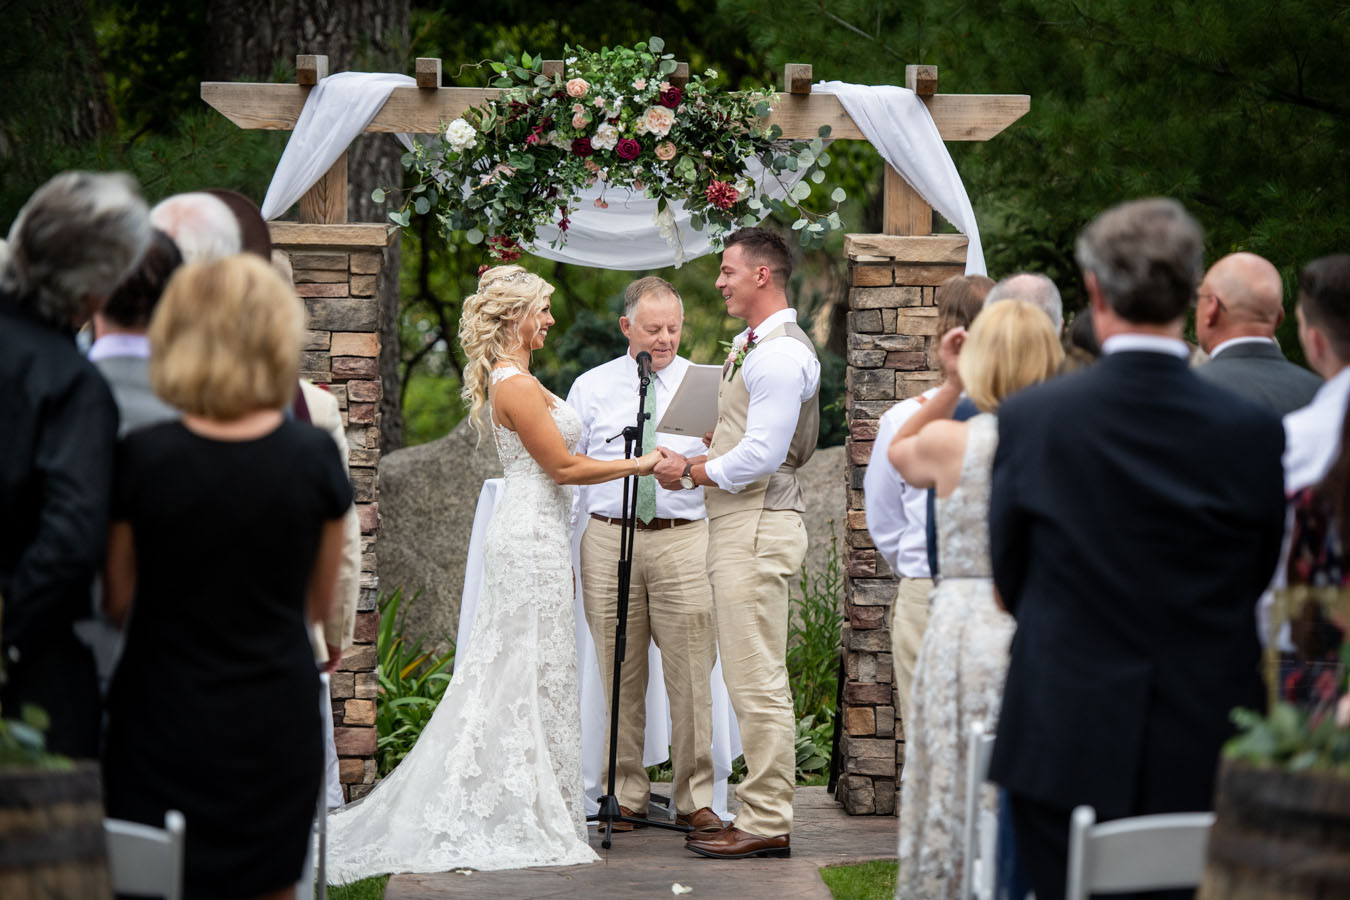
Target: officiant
(670, 599)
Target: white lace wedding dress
(494, 781)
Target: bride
(495, 780)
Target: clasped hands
(670, 468)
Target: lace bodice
(963, 535)
(495, 780)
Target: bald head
(1242, 295)
(1034, 288)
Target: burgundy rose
(582, 147)
(628, 149)
(671, 97)
(721, 195)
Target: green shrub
(411, 684)
(813, 637)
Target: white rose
(658, 120)
(605, 137)
(460, 135)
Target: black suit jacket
(1135, 518)
(1260, 373)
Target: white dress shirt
(1233, 342)
(112, 345)
(897, 512)
(1312, 435)
(781, 375)
(1150, 343)
(606, 398)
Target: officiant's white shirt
(606, 398)
(780, 375)
(897, 512)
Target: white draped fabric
(594, 710)
(897, 123)
(625, 236)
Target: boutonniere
(736, 351)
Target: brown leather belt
(653, 525)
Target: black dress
(214, 708)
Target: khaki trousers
(670, 602)
(909, 619)
(753, 555)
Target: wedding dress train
(494, 781)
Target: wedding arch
(892, 320)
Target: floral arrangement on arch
(613, 118)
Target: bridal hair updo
(507, 295)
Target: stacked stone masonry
(892, 352)
(341, 353)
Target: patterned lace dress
(958, 679)
(494, 781)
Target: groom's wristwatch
(687, 479)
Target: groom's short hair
(764, 248)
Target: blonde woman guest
(495, 780)
(227, 527)
(958, 677)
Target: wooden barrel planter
(1278, 836)
(51, 834)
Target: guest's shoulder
(898, 414)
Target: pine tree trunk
(259, 40)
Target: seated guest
(202, 225)
(1323, 311)
(226, 535)
(958, 677)
(1238, 307)
(77, 234)
(1135, 517)
(897, 512)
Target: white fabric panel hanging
(896, 122)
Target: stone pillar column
(892, 355)
(336, 270)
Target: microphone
(644, 364)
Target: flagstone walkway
(646, 863)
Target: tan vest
(780, 489)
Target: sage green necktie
(646, 489)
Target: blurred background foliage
(1237, 108)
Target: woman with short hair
(958, 677)
(224, 547)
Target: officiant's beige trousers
(909, 620)
(753, 555)
(670, 602)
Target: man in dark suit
(1238, 307)
(1135, 517)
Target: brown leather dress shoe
(627, 826)
(703, 821)
(732, 843)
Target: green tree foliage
(1237, 109)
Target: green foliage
(863, 881)
(22, 741)
(813, 638)
(411, 684)
(813, 744)
(365, 889)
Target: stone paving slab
(645, 863)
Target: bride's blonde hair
(488, 323)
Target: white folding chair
(1141, 853)
(146, 860)
(981, 826)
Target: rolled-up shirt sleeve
(779, 382)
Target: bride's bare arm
(519, 404)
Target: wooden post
(922, 80)
(310, 69)
(903, 210)
(552, 68)
(428, 72)
(326, 202)
(797, 78)
(680, 77)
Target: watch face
(687, 483)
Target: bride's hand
(647, 461)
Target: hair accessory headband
(506, 279)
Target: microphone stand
(609, 812)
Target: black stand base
(609, 814)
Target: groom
(768, 416)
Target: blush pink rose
(665, 151)
(579, 120)
(577, 87)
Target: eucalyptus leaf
(824, 131)
(823, 160)
(754, 203)
(817, 146)
(838, 195)
(815, 228)
(667, 66)
(473, 236)
(419, 187)
(792, 163)
(377, 195)
(749, 221)
(817, 176)
(800, 191)
(655, 44)
(799, 225)
(421, 206)
(775, 132)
